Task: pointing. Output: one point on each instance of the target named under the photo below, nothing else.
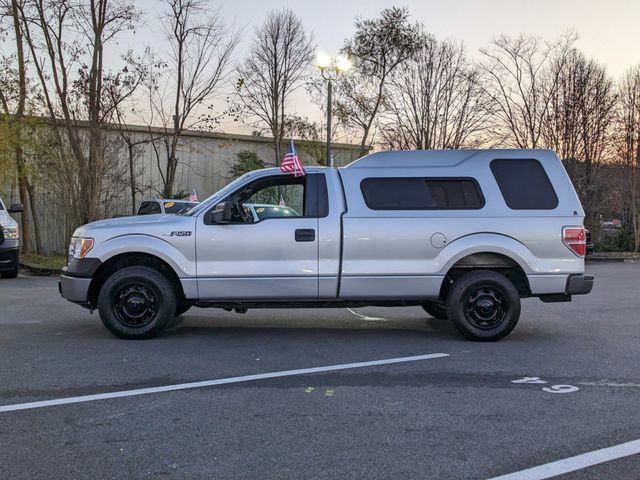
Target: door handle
(305, 235)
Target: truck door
(265, 245)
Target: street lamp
(330, 68)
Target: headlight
(79, 247)
(11, 233)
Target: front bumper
(75, 280)
(8, 258)
(74, 289)
(579, 284)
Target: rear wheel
(483, 305)
(136, 303)
(436, 309)
(182, 307)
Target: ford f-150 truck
(465, 234)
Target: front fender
(181, 260)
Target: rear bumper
(579, 284)
(74, 289)
(8, 258)
(575, 285)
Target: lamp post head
(331, 67)
(343, 63)
(323, 61)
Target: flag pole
(329, 91)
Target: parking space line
(365, 317)
(211, 383)
(572, 464)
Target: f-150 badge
(179, 234)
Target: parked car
(159, 205)
(463, 233)
(614, 224)
(9, 241)
(262, 211)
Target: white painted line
(365, 317)
(210, 383)
(572, 464)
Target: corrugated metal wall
(204, 163)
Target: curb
(612, 259)
(39, 270)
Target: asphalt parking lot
(459, 416)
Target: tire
(183, 307)
(10, 273)
(136, 303)
(436, 310)
(483, 305)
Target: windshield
(178, 207)
(223, 192)
(1, 205)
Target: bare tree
(142, 71)
(578, 122)
(435, 101)
(15, 111)
(134, 145)
(377, 48)
(629, 142)
(272, 71)
(65, 38)
(201, 53)
(519, 81)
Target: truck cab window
(279, 197)
(278, 200)
(147, 208)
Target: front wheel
(483, 305)
(136, 303)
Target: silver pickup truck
(464, 234)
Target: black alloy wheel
(137, 302)
(136, 305)
(483, 305)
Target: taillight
(576, 239)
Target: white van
(9, 241)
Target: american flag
(193, 196)
(291, 162)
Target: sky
(608, 29)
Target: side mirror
(222, 213)
(16, 208)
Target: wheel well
(488, 261)
(132, 260)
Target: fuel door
(438, 240)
